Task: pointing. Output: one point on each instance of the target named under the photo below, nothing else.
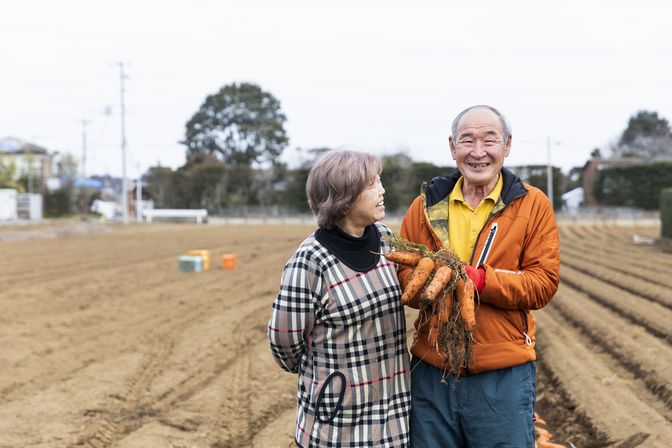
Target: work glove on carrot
(477, 275)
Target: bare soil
(604, 342)
(105, 344)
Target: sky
(386, 76)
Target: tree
(67, 166)
(295, 193)
(535, 175)
(644, 124)
(241, 124)
(199, 183)
(395, 177)
(7, 175)
(647, 136)
(205, 185)
(272, 184)
(574, 178)
(159, 186)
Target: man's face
(478, 147)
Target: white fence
(176, 214)
(609, 215)
(7, 204)
(29, 206)
(14, 205)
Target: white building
(8, 204)
(572, 200)
(27, 158)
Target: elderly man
(505, 230)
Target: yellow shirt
(465, 223)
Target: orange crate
(228, 261)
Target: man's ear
(451, 145)
(507, 148)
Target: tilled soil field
(103, 343)
(605, 339)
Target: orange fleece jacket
(519, 250)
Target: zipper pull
(528, 341)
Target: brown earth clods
(105, 344)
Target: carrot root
(418, 278)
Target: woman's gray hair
(335, 181)
(506, 128)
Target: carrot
(465, 295)
(444, 309)
(433, 333)
(405, 258)
(542, 434)
(459, 290)
(439, 262)
(440, 280)
(417, 280)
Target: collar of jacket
(440, 187)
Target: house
(572, 200)
(27, 158)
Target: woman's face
(369, 207)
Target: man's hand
(477, 276)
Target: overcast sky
(386, 76)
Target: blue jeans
(490, 409)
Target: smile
(478, 165)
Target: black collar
(359, 254)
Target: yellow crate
(205, 256)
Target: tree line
(233, 144)
(206, 182)
(234, 140)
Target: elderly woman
(338, 321)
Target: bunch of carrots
(446, 298)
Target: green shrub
(57, 203)
(666, 212)
(633, 186)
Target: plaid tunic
(344, 333)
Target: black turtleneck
(360, 254)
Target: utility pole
(549, 171)
(84, 123)
(28, 155)
(138, 199)
(124, 186)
